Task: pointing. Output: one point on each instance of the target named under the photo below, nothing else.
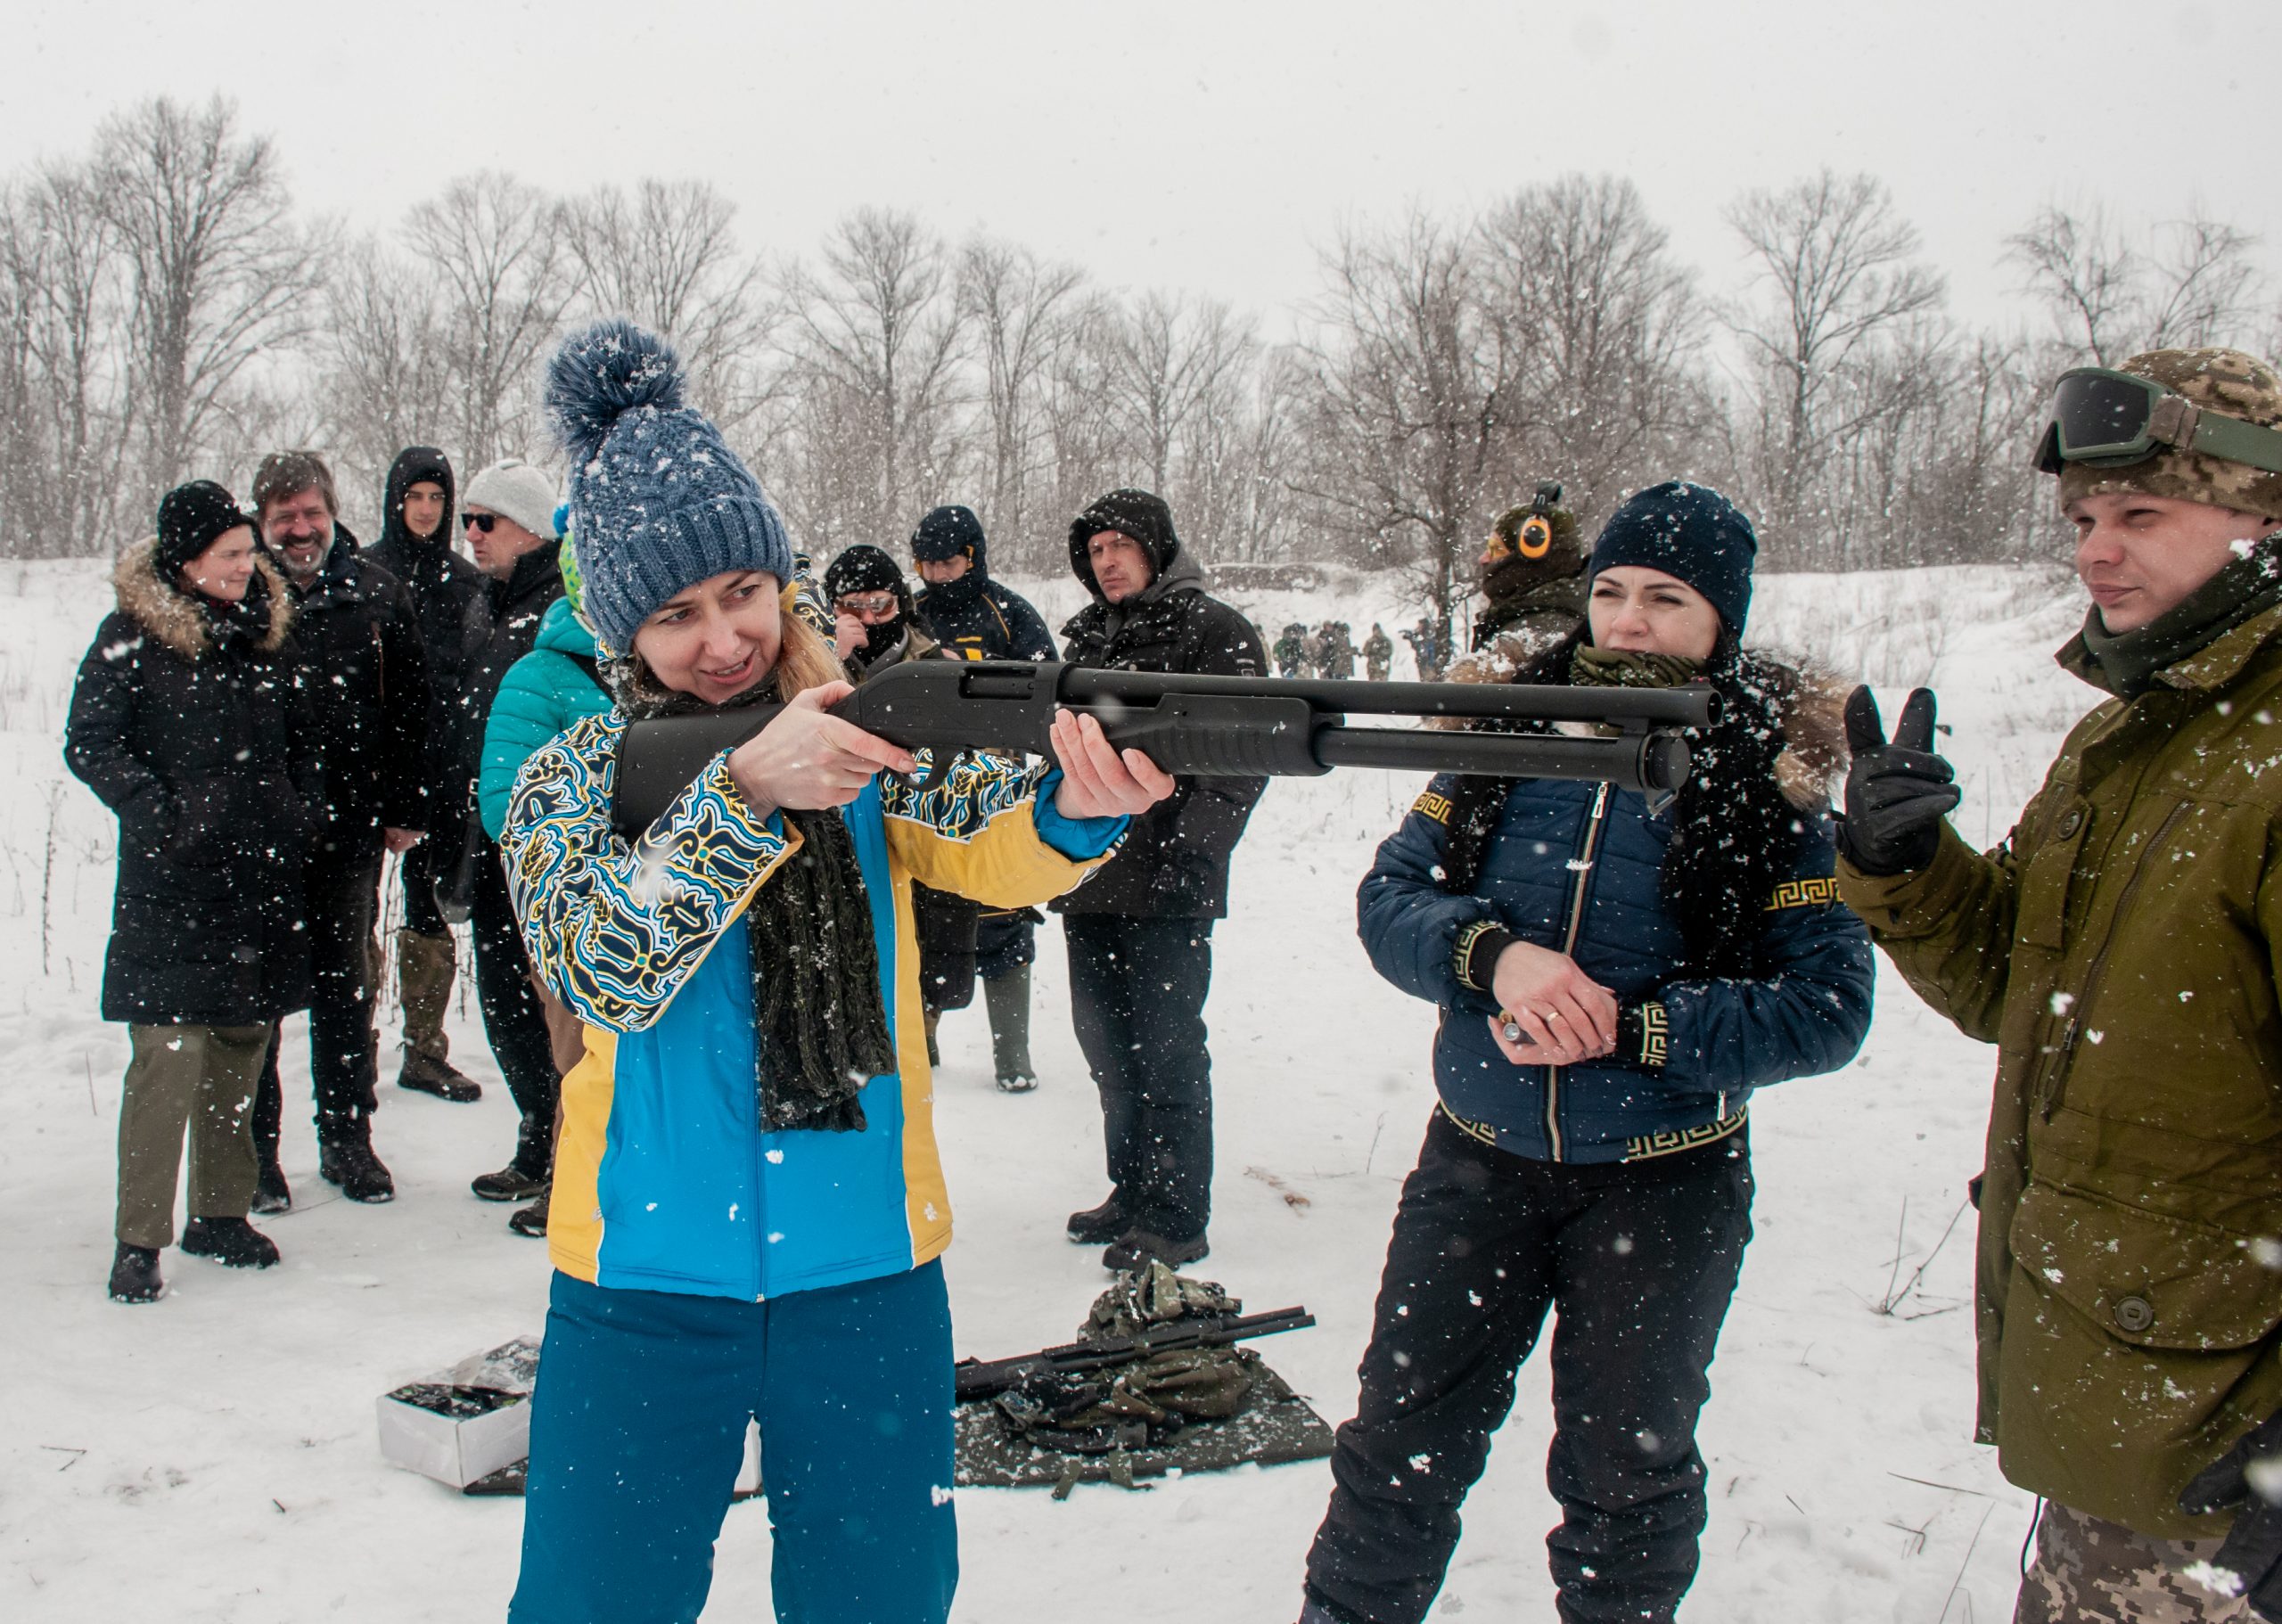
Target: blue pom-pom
(602, 373)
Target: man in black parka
(358, 659)
(1140, 931)
(416, 547)
(976, 617)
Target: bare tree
(666, 256)
(66, 413)
(1023, 314)
(220, 273)
(876, 337)
(1413, 386)
(1606, 324)
(2108, 300)
(1175, 358)
(2087, 276)
(1838, 265)
(496, 244)
(386, 377)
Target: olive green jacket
(2120, 950)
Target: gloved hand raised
(1896, 794)
(2241, 1481)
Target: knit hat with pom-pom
(657, 500)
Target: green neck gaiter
(1592, 667)
(2246, 585)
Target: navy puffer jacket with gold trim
(1578, 866)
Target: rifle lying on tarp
(1207, 726)
(979, 1379)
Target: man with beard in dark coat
(416, 547)
(510, 519)
(976, 617)
(1140, 931)
(359, 660)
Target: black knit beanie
(1691, 532)
(863, 568)
(192, 518)
(947, 532)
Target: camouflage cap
(2223, 380)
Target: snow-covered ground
(212, 1458)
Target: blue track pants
(638, 1427)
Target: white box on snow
(467, 1421)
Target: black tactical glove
(2253, 1550)
(1897, 794)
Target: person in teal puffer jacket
(557, 684)
(554, 685)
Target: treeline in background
(166, 311)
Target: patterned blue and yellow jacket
(663, 1178)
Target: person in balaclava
(417, 530)
(977, 618)
(877, 624)
(878, 629)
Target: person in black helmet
(976, 617)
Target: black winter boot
(433, 1074)
(1137, 1248)
(270, 1191)
(532, 1220)
(345, 1158)
(1099, 1225)
(529, 1173)
(135, 1275)
(230, 1240)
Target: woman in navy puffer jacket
(1613, 983)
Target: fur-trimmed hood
(172, 618)
(1809, 703)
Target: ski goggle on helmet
(2106, 419)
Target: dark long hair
(1736, 835)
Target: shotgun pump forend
(1208, 727)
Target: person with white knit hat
(748, 1210)
(508, 513)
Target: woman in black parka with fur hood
(182, 722)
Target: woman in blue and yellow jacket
(1614, 982)
(747, 1206)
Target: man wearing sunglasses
(508, 513)
(2120, 948)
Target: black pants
(418, 870)
(344, 981)
(1004, 943)
(1136, 996)
(515, 1021)
(1637, 1261)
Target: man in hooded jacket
(416, 547)
(1140, 931)
(976, 617)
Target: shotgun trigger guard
(939, 764)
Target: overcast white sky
(1216, 146)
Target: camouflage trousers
(2090, 1571)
